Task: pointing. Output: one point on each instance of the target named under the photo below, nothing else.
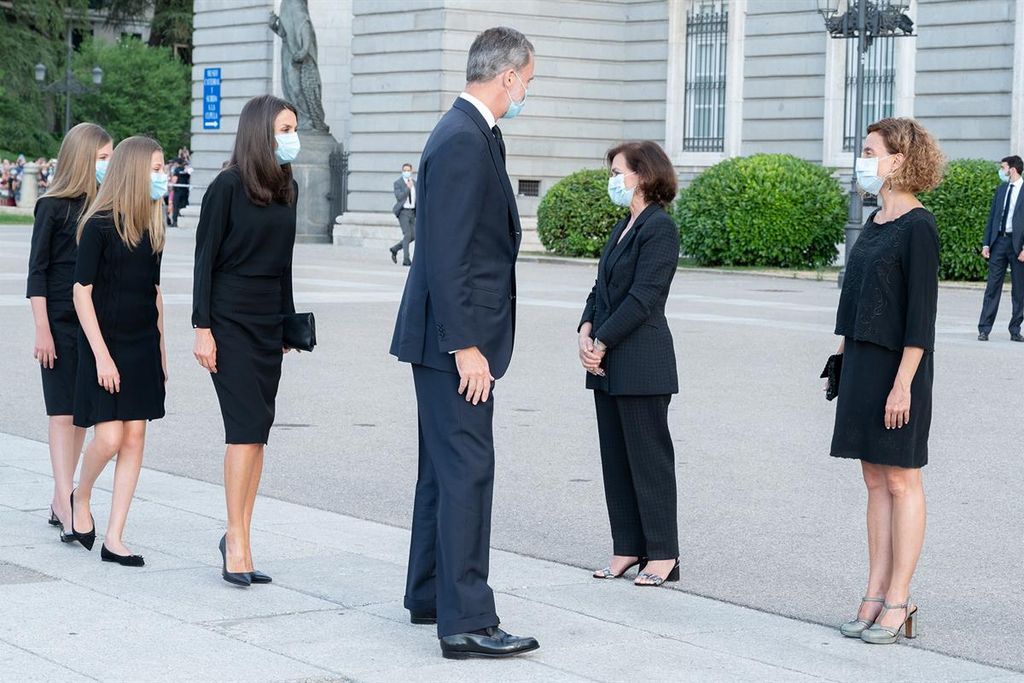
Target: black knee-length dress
(888, 302)
(241, 289)
(124, 281)
(51, 274)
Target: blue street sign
(211, 99)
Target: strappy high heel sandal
(854, 627)
(649, 579)
(883, 635)
(607, 572)
(54, 520)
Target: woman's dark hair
(265, 180)
(658, 181)
(1014, 162)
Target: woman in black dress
(242, 286)
(886, 318)
(626, 346)
(122, 364)
(51, 272)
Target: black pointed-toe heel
(54, 520)
(260, 577)
(87, 539)
(234, 578)
(123, 560)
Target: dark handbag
(833, 371)
(299, 331)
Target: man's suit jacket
(402, 194)
(627, 307)
(461, 288)
(995, 215)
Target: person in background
(122, 369)
(51, 275)
(181, 179)
(886, 321)
(1003, 247)
(405, 211)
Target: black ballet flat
(260, 577)
(54, 521)
(123, 560)
(87, 539)
(235, 578)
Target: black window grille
(879, 85)
(529, 188)
(707, 34)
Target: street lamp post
(68, 86)
(863, 20)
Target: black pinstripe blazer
(627, 307)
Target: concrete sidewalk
(334, 611)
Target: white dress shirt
(480, 107)
(410, 203)
(1014, 195)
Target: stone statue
(300, 75)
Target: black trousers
(451, 528)
(638, 462)
(1001, 256)
(407, 219)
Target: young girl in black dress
(242, 286)
(122, 364)
(51, 271)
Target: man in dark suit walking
(456, 327)
(1003, 246)
(405, 211)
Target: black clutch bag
(832, 372)
(299, 331)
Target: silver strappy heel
(854, 627)
(882, 635)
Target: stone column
(29, 186)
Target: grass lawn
(15, 219)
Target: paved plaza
(773, 549)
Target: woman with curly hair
(886, 319)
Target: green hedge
(575, 217)
(961, 204)
(764, 210)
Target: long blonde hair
(76, 163)
(125, 194)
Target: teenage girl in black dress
(51, 271)
(122, 364)
(242, 286)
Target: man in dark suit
(1003, 246)
(456, 327)
(405, 211)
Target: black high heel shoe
(260, 577)
(234, 578)
(648, 579)
(123, 560)
(606, 573)
(54, 520)
(87, 539)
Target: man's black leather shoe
(1016, 337)
(983, 336)
(496, 643)
(422, 618)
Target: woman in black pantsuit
(122, 364)
(626, 346)
(886, 318)
(51, 273)
(242, 286)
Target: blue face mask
(514, 108)
(407, 174)
(157, 185)
(1004, 177)
(618, 192)
(287, 147)
(101, 170)
(867, 175)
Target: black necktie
(501, 141)
(1006, 206)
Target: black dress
(888, 303)
(51, 274)
(124, 284)
(242, 286)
